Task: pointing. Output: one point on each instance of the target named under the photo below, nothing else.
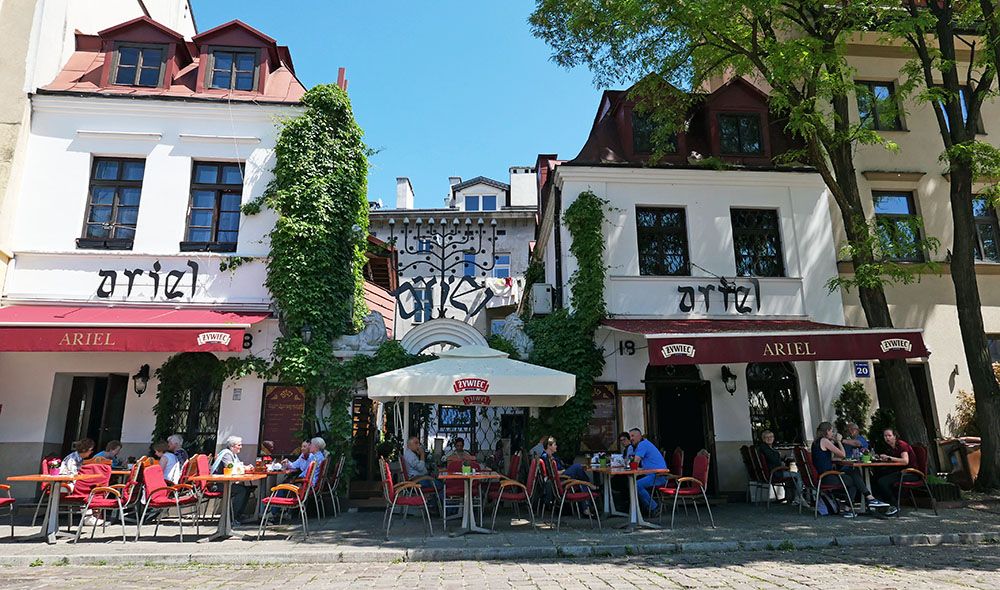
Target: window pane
(229, 221)
(127, 215)
(489, 203)
(125, 75)
(729, 135)
(133, 170)
(892, 204)
(151, 57)
(244, 81)
(757, 243)
(201, 218)
(125, 233)
(503, 259)
(227, 237)
(206, 173)
(469, 266)
(865, 107)
(230, 202)
(149, 76)
(106, 170)
(981, 207)
(662, 242)
(231, 174)
(100, 215)
(245, 62)
(202, 199)
(220, 79)
(988, 236)
(472, 203)
(199, 235)
(128, 56)
(98, 231)
(750, 135)
(223, 60)
(102, 195)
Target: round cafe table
(225, 528)
(50, 525)
(866, 470)
(468, 514)
(635, 519)
(609, 499)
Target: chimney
(342, 78)
(404, 193)
(453, 180)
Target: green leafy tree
(957, 56)
(796, 48)
(853, 405)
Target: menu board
(601, 432)
(281, 416)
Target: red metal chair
(332, 482)
(103, 498)
(299, 494)
(407, 493)
(204, 491)
(131, 491)
(690, 487)
(163, 497)
(677, 462)
(754, 478)
(812, 481)
(44, 470)
(921, 472)
(8, 503)
(512, 490)
(773, 477)
(574, 490)
(76, 498)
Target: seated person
(825, 448)
(619, 485)
(901, 453)
(458, 452)
(168, 462)
(854, 442)
(647, 456)
(82, 449)
(175, 444)
(301, 461)
(774, 460)
(239, 493)
(537, 450)
(574, 471)
(111, 451)
(416, 466)
(266, 449)
(625, 445)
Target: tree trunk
(902, 396)
(970, 322)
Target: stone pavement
(359, 537)
(883, 568)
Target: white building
(720, 322)
(139, 156)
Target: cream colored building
(915, 171)
(38, 38)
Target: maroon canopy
(708, 341)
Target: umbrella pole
(406, 419)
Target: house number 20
(626, 348)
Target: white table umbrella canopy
(474, 376)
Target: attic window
(139, 65)
(232, 69)
(740, 134)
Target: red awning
(31, 328)
(705, 341)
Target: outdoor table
(225, 528)
(50, 525)
(866, 470)
(635, 519)
(468, 514)
(609, 500)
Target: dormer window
(740, 134)
(232, 69)
(139, 65)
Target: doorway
(681, 409)
(96, 410)
(918, 373)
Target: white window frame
(466, 202)
(482, 202)
(423, 300)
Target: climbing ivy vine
(564, 340)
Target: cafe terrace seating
(576, 491)
(8, 504)
(513, 491)
(163, 497)
(691, 487)
(407, 493)
(297, 498)
(813, 482)
(921, 471)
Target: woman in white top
(231, 456)
(168, 462)
(82, 450)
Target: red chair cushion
(402, 500)
(684, 491)
(579, 496)
(905, 484)
(104, 503)
(517, 495)
(281, 501)
(168, 502)
(6, 501)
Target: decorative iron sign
(174, 283)
(730, 292)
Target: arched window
(188, 399)
(773, 391)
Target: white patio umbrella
(473, 376)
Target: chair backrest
(317, 481)
(515, 466)
(83, 486)
(390, 490)
(532, 473)
(807, 471)
(307, 480)
(699, 469)
(920, 452)
(98, 461)
(202, 467)
(132, 484)
(677, 462)
(152, 479)
(748, 465)
(759, 463)
(555, 479)
(403, 468)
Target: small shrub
(853, 405)
(963, 421)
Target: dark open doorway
(918, 372)
(96, 410)
(681, 414)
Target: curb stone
(339, 555)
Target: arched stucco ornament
(441, 331)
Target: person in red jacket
(899, 453)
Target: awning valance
(31, 328)
(474, 376)
(710, 341)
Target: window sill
(207, 247)
(98, 244)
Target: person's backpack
(827, 505)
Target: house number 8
(626, 348)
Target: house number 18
(626, 348)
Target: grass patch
(36, 563)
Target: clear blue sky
(442, 88)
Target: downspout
(557, 244)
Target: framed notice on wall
(600, 435)
(281, 416)
(633, 410)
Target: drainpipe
(557, 236)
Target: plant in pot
(853, 405)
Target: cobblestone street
(884, 568)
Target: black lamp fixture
(306, 333)
(729, 379)
(140, 380)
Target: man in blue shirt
(648, 457)
(855, 442)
